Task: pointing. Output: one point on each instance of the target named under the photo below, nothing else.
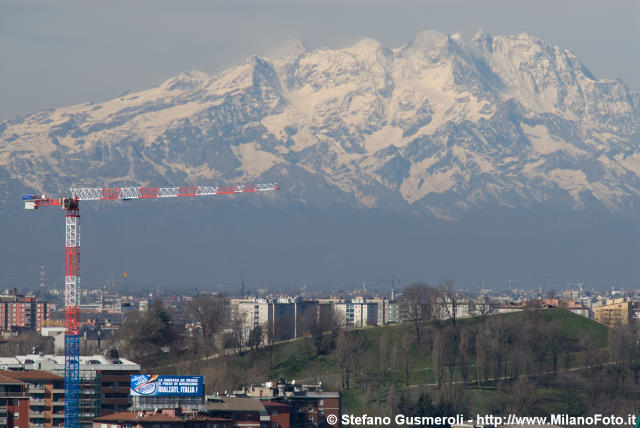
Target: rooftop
(137, 417)
(4, 380)
(89, 362)
(268, 403)
(234, 404)
(154, 417)
(30, 375)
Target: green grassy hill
(371, 385)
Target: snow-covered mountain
(439, 124)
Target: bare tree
(418, 300)
(448, 301)
(255, 338)
(450, 339)
(325, 329)
(591, 356)
(407, 341)
(521, 397)
(556, 342)
(438, 356)
(484, 307)
(482, 351)
(144, 333)
(394, 363)
(348, 349)
(211, 312)
(238, 330)
(383, 352)
(270, 336)
(464, 346)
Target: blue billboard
(159, 385)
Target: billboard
(159, 385)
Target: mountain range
(476, 148)
(439, 124)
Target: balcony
(57, 415)
(36, 415)
(36, 389)
(58, 390)
(36, 402)
(58, 403)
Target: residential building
(245, 412)
(352, 314)
(393, 313)
(250, 312)
(279, 413)
(288, 317)
(46, 396)
(104, 382)
(20, 312)
(308, 405)
(167, 418)
(615, 312)
(14, 403)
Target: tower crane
(69, 203)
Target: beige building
(615, 312)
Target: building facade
(14, 403)
(20, 312)
(46, 396)
(615, 312)
(104, 383)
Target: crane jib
(70, 204)
(113, 193)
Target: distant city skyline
(71, 52)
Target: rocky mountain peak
(438, 124)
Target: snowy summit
(439, 124)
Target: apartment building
(46, 396)
(167, 418)
(615, 312)
(304, 405)
(14, 403)
(288, 317)
(104, 382)
(20, 312)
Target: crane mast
(72, 316)
(70, 204)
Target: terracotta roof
(6, 379)
(30, 375)
(154, 417)
(268, 403)
(134, 417)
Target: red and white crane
(70, 204)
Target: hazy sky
(55, 53)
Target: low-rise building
(244, 412)
(308, 405)
(165, 419)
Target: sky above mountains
(67, 52)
